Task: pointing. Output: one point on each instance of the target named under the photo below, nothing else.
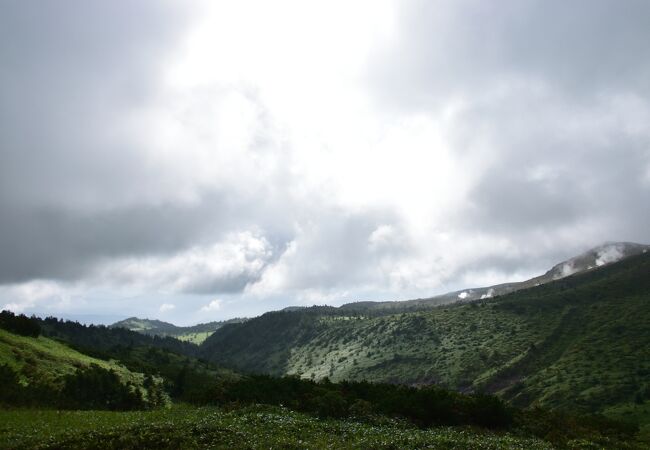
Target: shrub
(98, 388)
(10, 388)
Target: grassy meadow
(253, 427)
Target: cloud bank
(156, 155)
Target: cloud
(489, 294)
(608, 255)
(214, 305)
(545, 104)
(568, 269)
(166, 307)
(449, 49)
(36, 293)
(226, 266)
(174, 151)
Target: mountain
(146, 326)
(99, 339)
(194, 334)
(607, 253)
(53, 396)
(579, 342)
(54, 363)
(36, 371)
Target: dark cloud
(549, 101)
(109, 175)
(72, 73)
(76, 187)
(59, 243)
(547, 177)
(462, 48)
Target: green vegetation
(424, 406)
(633, 413)
(381, 415)
(581, 343)
(101, 341)
(48, 361)
(195, 334)
(195, 338)
(254, 427)
(41, 371)
(19, 324)
(554, 354)
(266, 427)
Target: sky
(201, 160)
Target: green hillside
(195, 334)
(319, 415)
(580, 343)
(146, 326)
(48, 361)
(598, 256)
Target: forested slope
(581, 342)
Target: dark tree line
(89, 388)
(20, 324)
(100, 341)
(98, 388)
(424, 406)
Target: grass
(255, 427)
(195, 338)
(48, 361)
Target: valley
(548, 366)
(582, 342)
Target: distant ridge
(195, 333)
(578, 342)
(601, 255)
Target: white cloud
(42, 293)
(264, 156)
(225, 266)
(166, 307)
(214, 305)
(568, 269)
(609, 254)
(489, 294)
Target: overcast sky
(194, 161)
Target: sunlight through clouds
(277, 152)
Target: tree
(20, 324)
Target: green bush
(98, 388)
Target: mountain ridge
(606, 253)
(578, 342)
(153, 327)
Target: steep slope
(115, 368)
(579, 342)
(602, 255)
(194, 334)
(48, 361)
